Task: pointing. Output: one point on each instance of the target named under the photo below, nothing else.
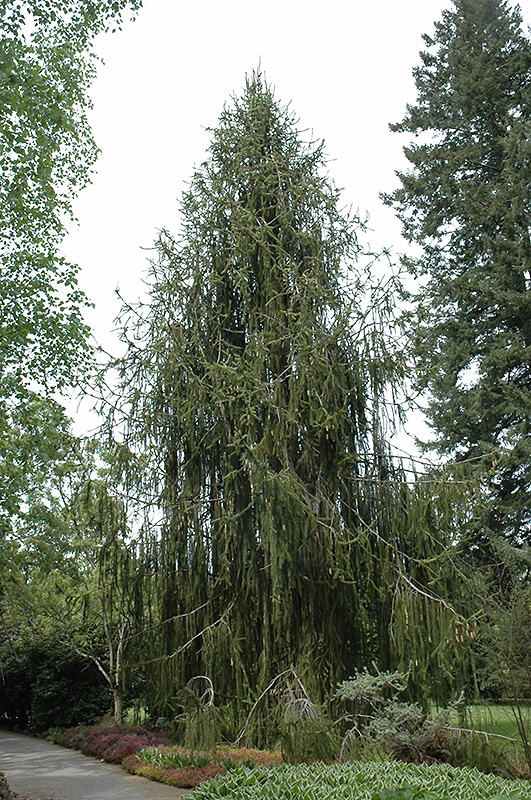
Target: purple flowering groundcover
(111, 743)
(150, 755)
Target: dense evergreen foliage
(257, 380)
(466, 200)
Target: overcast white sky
(344, 66)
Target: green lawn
(495, 718)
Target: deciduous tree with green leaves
(75, 576)
(466, 200)
(47, 153)
(46, 156)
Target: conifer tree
(256, 379)
(466, 200)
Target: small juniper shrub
(379, 720)
(381, 724)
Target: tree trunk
(118, 699)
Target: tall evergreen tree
(257, 377)
(466, 200)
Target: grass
(492, 718)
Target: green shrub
(202, 727)
(380, 720)
(307, 733)
(465, 748)
(47, 685)
(406, 793)
(410, 793)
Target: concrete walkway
(39, 770)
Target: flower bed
(109, 742)
(149, 755)
(260, 775)
(183, 777)
(180, 767)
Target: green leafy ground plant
(362, 781)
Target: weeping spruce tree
(257, 378)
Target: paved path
(39, 770)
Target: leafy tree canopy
(46, 156)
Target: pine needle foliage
(257, 379)
(465, 199)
